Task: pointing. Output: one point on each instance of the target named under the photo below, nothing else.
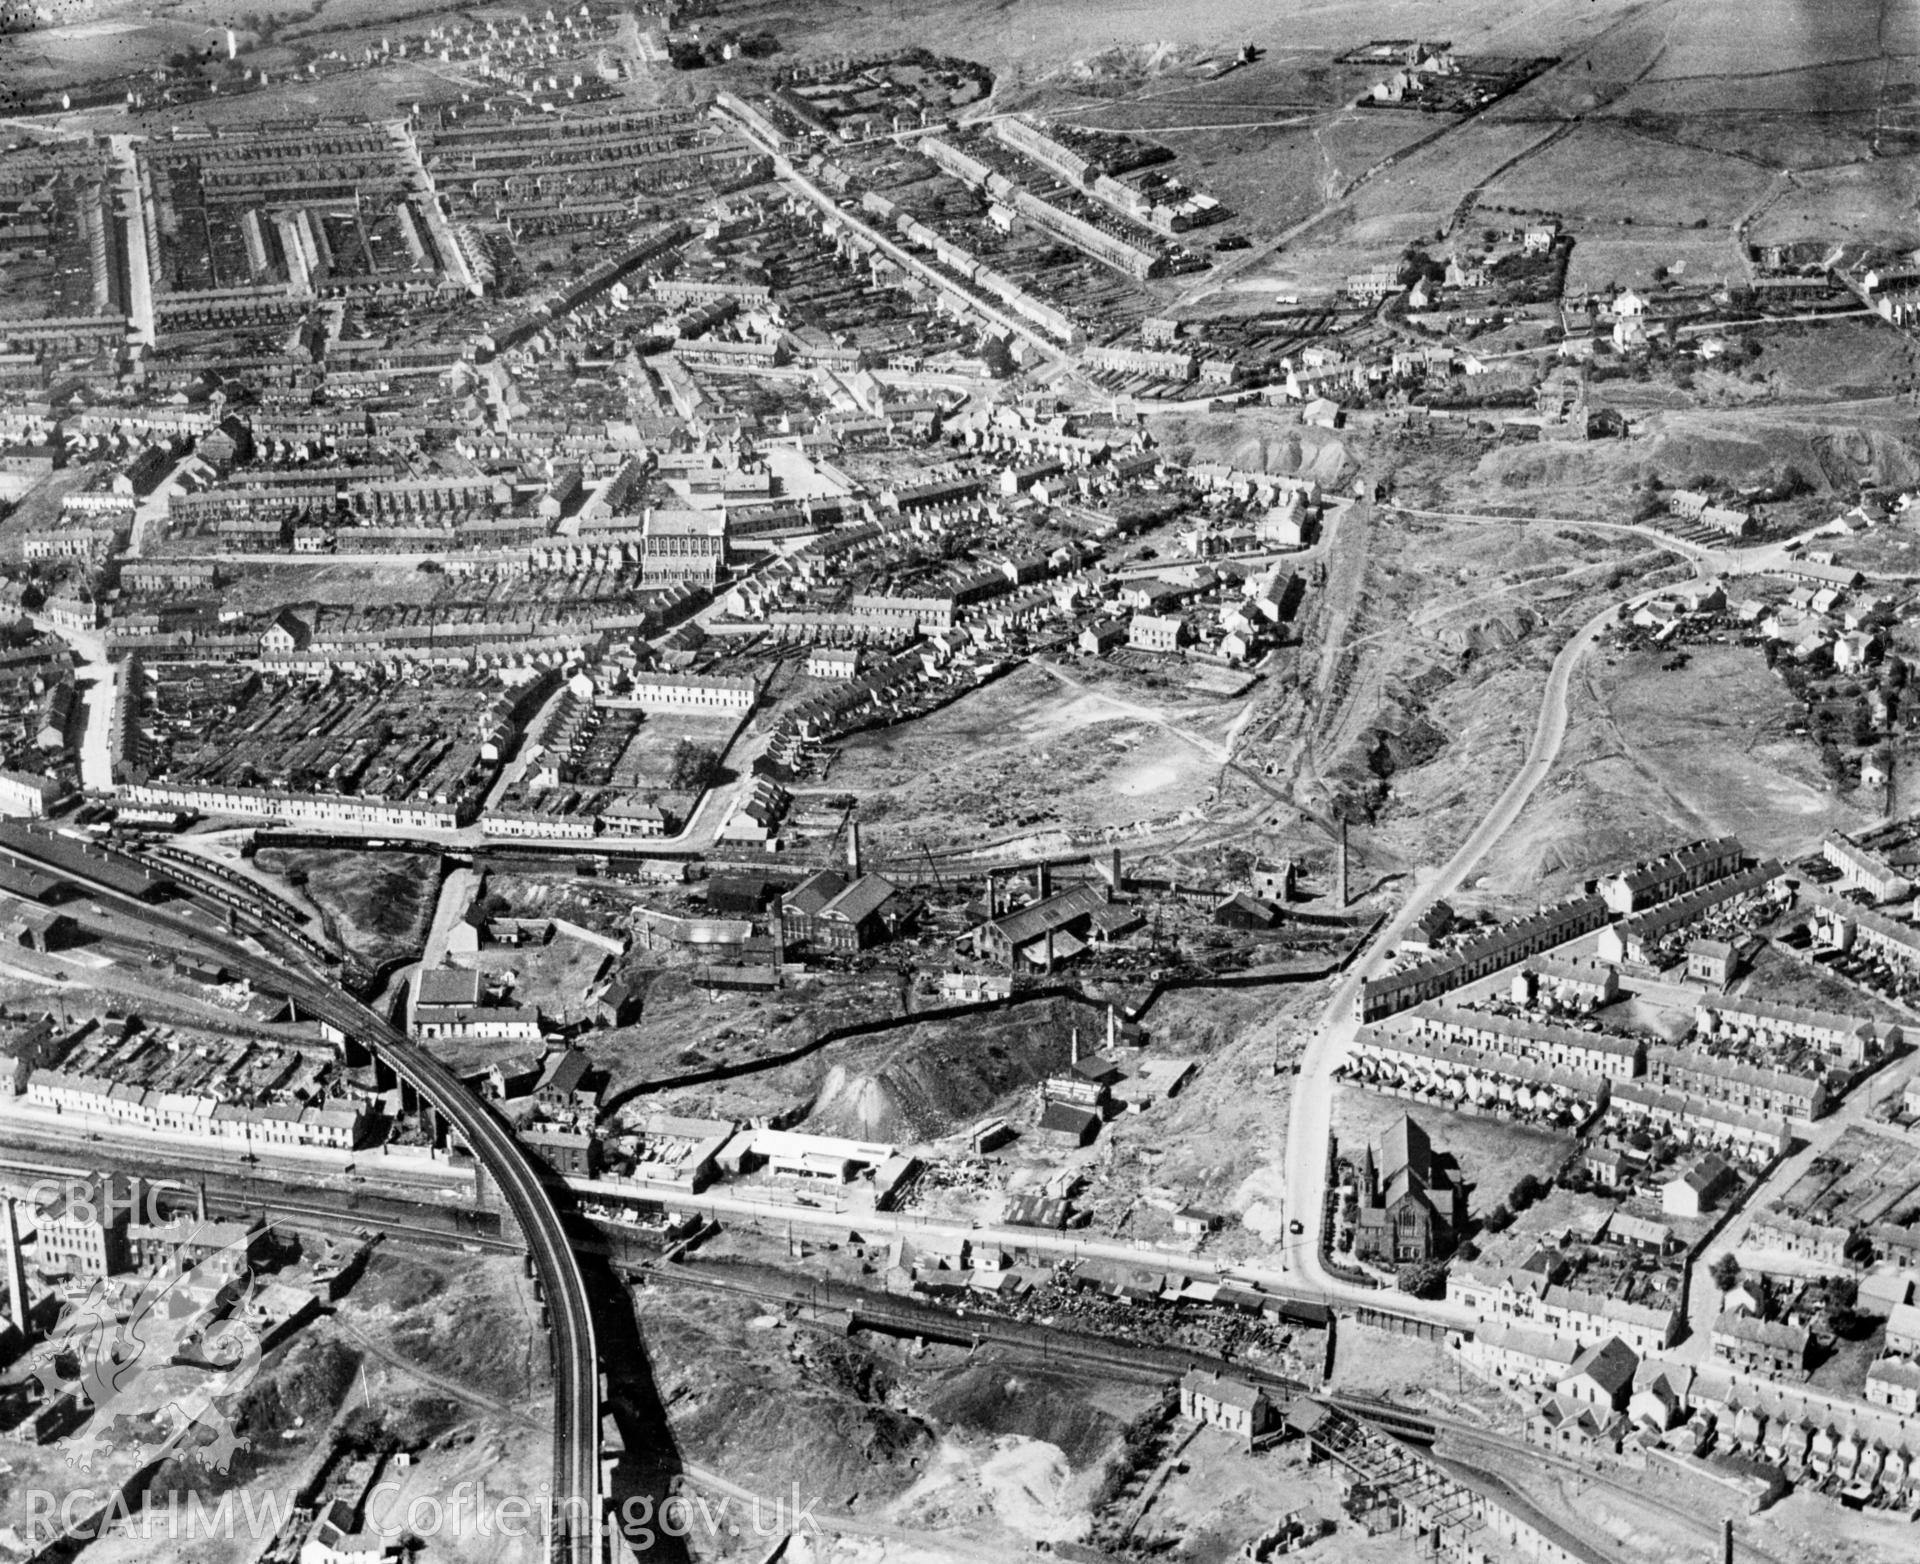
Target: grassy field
(1436, 675)
(379, 906)
(1841, 358)
(1610, 258)
(1599, 174)
(258, 588)
(1492, 1156)
(1651, 757)
(1078, 751)
(1868, 202)
(1786, 978)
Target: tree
(1862, 725)
(1842, 1295)
(1525, 1192)
(1858, 1250)
(1422, 1278)
(1726, 1272)
(1499, 1219)
(693, 768)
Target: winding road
(1311, 1121)
(1311, 1118)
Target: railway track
(575, 1526)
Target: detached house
(1602, 1376)
(287, 634)
(1232, 1404)
(1156, 632)
(1696, 1191)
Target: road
(98, 676)
(792, 176)
(130, 208)
(1729, 560)
(522, 1182)
(1064, 1246)
(1819, 1138)
(1310, 1124)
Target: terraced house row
(1480, 956)
(1684, 869)
(330, 1125)
(1636, 939)
(1751, 1088)
(1500, 1296)
(1408, 1063)
(1850, 1040)
(1608, 1054)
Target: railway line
(575, 1528)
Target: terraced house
(1503, 1295)
(1479, 956)
(1851, 1040)
(1864, 869)
(1637, 938)
(1684, 869)
(1750, 1088)
(1606, 1054)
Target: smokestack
(992, 911)
(853, 848)
(1075, 1055)
(1043, 880)
(1726, 1541)
(200, 1201)
(1113, 871)
(1113, 1029)
(16, 1273)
